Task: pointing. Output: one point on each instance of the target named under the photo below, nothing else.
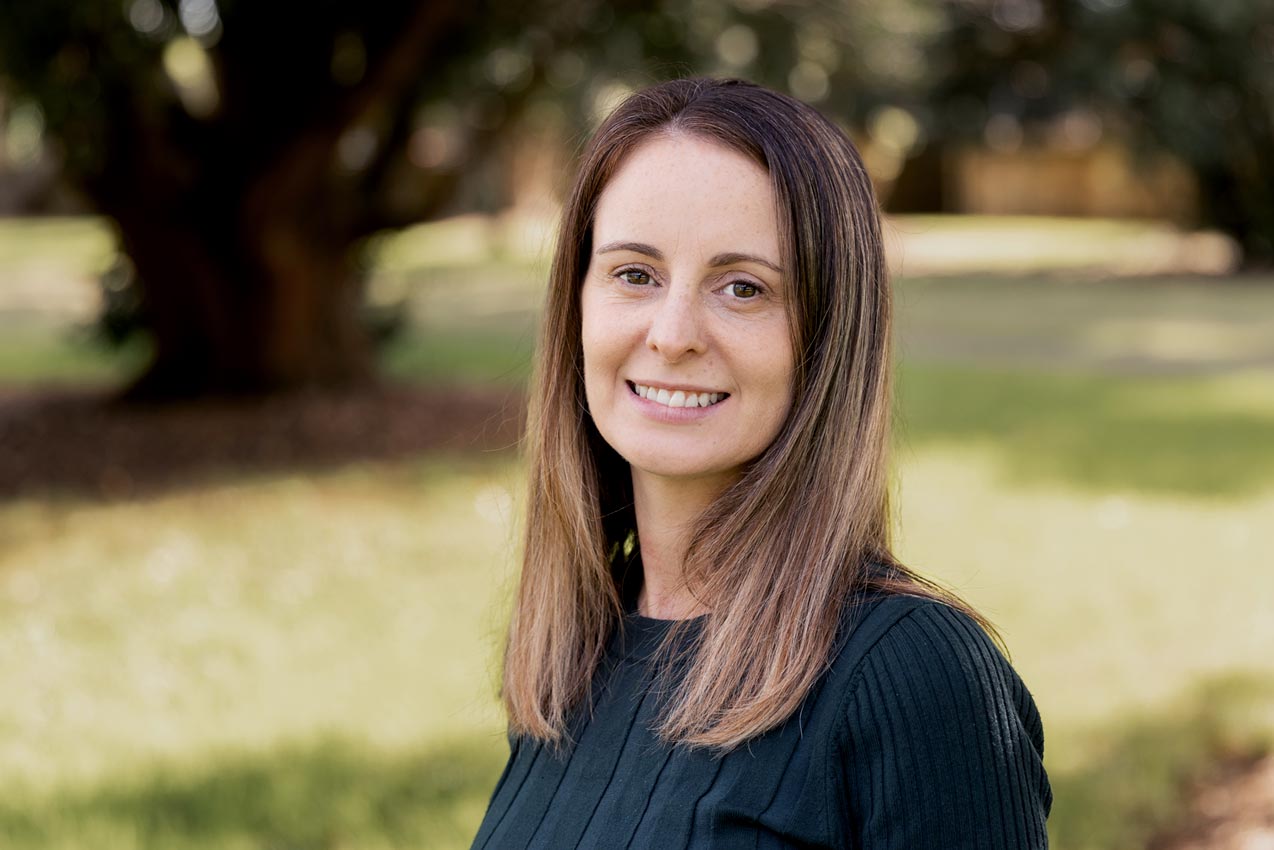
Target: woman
(712, 645)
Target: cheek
(597, 341)
(781, 406)
(780, 383)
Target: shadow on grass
(327, 795)
(1135, 786)
(336, 793)
(1168, 434)
(484, 356)
(1098, 432)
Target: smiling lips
(677, 398)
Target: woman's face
(687, 356)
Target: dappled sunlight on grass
(35, 353)
(1124, 781)
(76, 245)
(363, 604)
(1109, 602)
(1185, 339)
(1141, 624)
(199, 668)
(1165, 434)
(330, 793)
(514, 237)
(308, 658)
(451, 355)
(1169, 325)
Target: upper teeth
(678, 398)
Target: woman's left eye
(744, 289)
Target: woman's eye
(743, 289)
(636, 277)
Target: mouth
(677, 397)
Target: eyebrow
(727, 259)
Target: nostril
(674, 333)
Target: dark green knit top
(920, 735)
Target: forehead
(686, 193)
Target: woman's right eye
(636, 277)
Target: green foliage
(246, 149)
(223, 87)
(1192, 77)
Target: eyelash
(620, 275)
(759, 289)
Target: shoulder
(901, 649)
(927, 700)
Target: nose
(676, 328)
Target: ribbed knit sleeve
(941, 744)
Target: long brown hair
(782, 552)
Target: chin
(684, 473)
(664, 465)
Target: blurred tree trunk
(1236, 190)
(241, 214)
(921, 184)
(241, 233)
(245, 276)
(244, 149)
(238, 310)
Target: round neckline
(657, 623)
(638, 638)
(631, 613)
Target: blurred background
(269, 277)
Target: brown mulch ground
(1230, 809)
(81, 442)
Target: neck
(667, 510)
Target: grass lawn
(307, 660)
